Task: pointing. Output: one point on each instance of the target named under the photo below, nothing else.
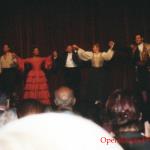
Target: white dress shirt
(69, 62)
(97, 59)
(141, 47)
(7, 60)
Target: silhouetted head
(139, 39)
(123, 108)
(36, 51)
(96, 48)
(28, 107)
(69, 49)
(6, 48)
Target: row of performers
(36, 86)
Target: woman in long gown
(96, 82)
(36, 86)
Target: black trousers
(96, 84)
(142, 75)
(8, 80)
(72, 78)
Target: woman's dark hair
(123, 106)
(9, 45)
(35, 47)
(97, 45)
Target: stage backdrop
(53, 24)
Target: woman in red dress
(36, 86)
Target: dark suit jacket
(136, 56)
(142, 72)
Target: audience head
(64, 98)
(29, 107)
(6, 48)
(139, 39)
(4, 102)
(123, 108)
(96, 48)
(69, 48)
(55, 131)
(36, 51)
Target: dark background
(53, 24)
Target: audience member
(64, 99)
(7, 114)
(55, 131)
(127, 121)
(29, 107)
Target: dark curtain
(55, 23)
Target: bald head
(64, 98)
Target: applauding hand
(111, 44)
(75, 47)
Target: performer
(54, 75)
(71, 65)
(36, 86)
(96, 75)
(8, 69)
(141, 59)
(56, 62)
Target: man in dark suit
(71, 65)
(141, 59)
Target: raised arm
(21, 62)
(48, 62)
(83, 55)
(14, 58)
(110, 53)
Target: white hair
(54, 131)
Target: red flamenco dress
(36, 86)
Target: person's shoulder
(147, 45)
(63, 55)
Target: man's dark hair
(140, 34)
(29, 106)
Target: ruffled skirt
(36, 87)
